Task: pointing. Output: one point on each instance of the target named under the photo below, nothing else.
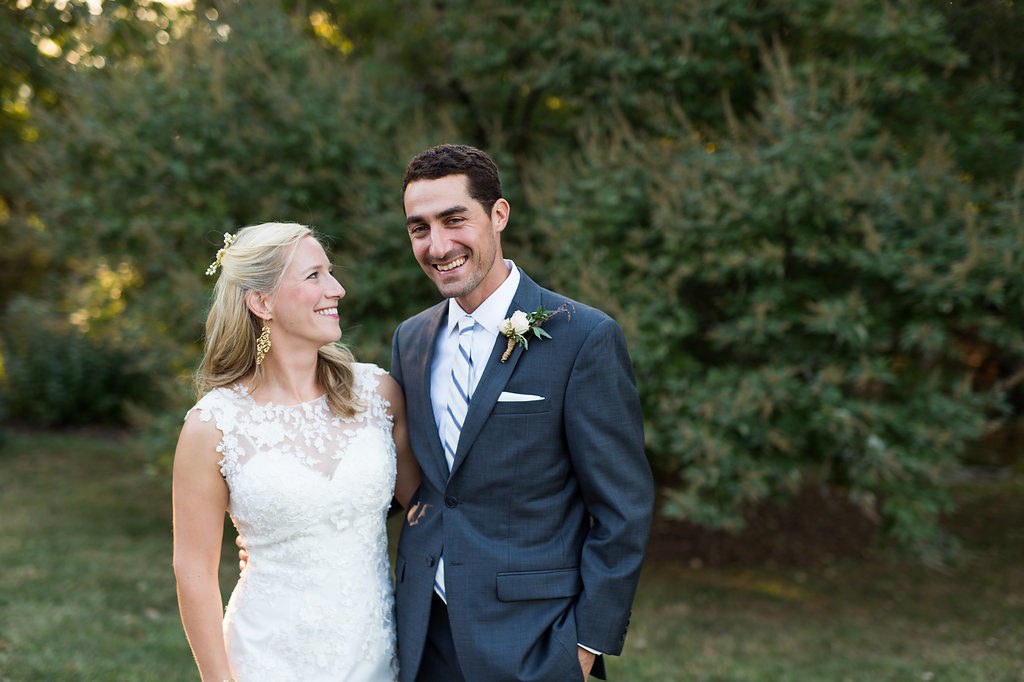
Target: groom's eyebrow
(443, 214)
(452, 211)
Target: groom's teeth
(451, 266)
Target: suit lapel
(496, 373)
(418, 394)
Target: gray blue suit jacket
(545, 517)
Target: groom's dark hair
(458, 159)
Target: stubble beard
(463, 288)
(476, 277)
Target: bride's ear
(257, 304)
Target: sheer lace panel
(307, 432)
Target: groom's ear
(499, 214)
(258, 305)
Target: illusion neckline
(243, 391)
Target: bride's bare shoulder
(199, 435)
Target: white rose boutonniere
(519, 323)
(516, 328)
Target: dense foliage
(806, 216)
(803, 303)
(57, 377)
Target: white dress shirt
(487, 316)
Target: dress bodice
(309, 493)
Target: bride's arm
(200, 500)
(408, 470)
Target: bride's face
(305, 305)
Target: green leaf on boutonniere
(516, 328)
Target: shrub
(805, 302)
(54, 375)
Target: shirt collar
(491, 312)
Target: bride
(304, 448)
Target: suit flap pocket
(560, 582)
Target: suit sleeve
(396, 362)
(604, 431)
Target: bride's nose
(336, 290)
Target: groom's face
(454, 239)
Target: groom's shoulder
(585, 317)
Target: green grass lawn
(850, 621)
(87, 591)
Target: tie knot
(466, 324)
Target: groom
(522, 547)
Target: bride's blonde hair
(256, 261)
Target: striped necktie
(459, 391)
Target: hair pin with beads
(228, 240)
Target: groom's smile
(448, 267)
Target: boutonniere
(516, 328)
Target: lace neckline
(242, 391)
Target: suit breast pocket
(503, 407)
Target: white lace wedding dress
(309, 494)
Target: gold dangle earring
(263, 344)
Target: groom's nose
(440, 243)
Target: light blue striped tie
(458, 389)
(459, 392)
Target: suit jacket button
(451, 502)
(430, 561)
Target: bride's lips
(451, 265)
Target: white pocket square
(507, 397)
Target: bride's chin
(332, 339)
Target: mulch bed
(817, 526)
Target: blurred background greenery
(807, 215)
